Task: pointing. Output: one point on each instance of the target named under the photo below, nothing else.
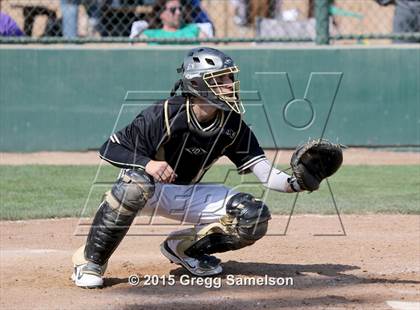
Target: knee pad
(133, 188)
(251, 216)
(245, 222)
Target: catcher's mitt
(314, 161)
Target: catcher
(164, 153)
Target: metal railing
(214, 21)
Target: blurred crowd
(116, 18)
(188, 19)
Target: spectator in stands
(70, 13)
(194, 13)
(406, 17)
(8, 27)
(167, 22)
(246, 11)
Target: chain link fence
(187, 21)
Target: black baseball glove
(314, 161)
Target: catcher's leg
(245, 222)
(112, 220)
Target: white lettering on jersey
(196, 150)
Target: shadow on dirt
(258, 303)
(315, 275)
(291, 270)
(280, 270)
(316, 278)
(108, 282)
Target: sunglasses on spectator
(174, 9)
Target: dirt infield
(352, 156)
(376, 265)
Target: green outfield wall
(73, 98)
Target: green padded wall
(73, 98)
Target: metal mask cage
(231, 98)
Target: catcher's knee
(245, 222)
(251, 215)
(133, 189)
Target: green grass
(63, 191)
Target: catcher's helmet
(210, 74)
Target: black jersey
(169, 131)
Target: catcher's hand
(314, 161)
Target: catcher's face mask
(225, 86)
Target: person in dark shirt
(406, 18)
(164, 153)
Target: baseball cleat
(88, 275)
(203, 266)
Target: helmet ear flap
(180, 69)
(197, 87)
(177, 85)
